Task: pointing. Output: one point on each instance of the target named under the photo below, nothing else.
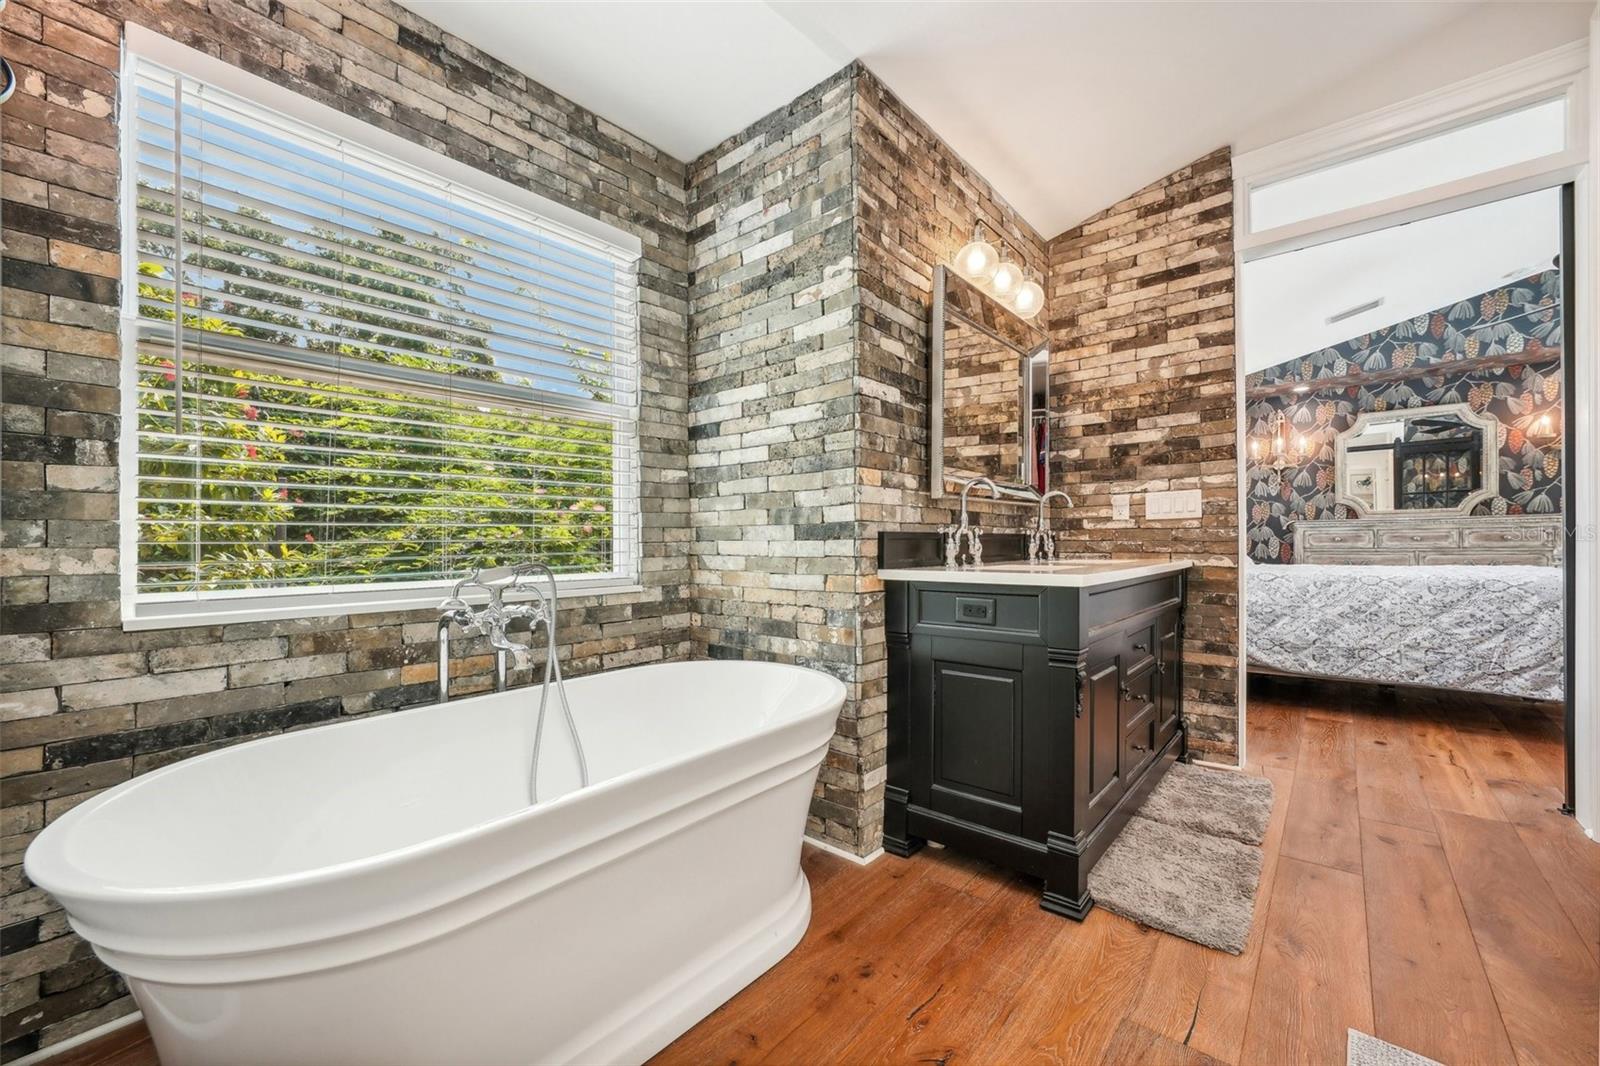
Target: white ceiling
(1065, 107)
(1413, 269)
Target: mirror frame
(1028, 343)
(1489, 462)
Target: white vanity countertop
(1063, 573)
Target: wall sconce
(1543, 428)
(1286, 448)
(1006, 281)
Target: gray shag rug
(1183, 867)
(1217, 803)
(1363, 1049)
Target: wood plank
(1324, 823)
(1313, 983)
(1544, 979)
(1133, 1043)
(867, 977)
(1327, 748)
(1528, 792)
(954, 1003)
(1429, 990)
(1224, 1006)
(1447, 774)
(1274, 735)
(1389, 785)
(1079, 995)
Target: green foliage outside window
(267, 479)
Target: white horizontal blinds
(362, 373)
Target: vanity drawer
(977, 610)
(1489, 557)
(1417, 538)
(1338, 538)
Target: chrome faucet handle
(977, 545)
(951, 547)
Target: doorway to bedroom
(1407, 578)
(1405, 477)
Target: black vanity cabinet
(1028, 722)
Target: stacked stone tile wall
(1142, 359)
(917, 202)
(772, 409)
(86, 705)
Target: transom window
(353, 377)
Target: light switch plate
(1176, 503)
(1119, 508)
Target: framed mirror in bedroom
(1442, 459)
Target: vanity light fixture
(1543, 427)
(978, 260)
(1029, 300)
(1004, 279)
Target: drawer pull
(1122, 686)
(1141, 647)
(1416, 536)
(1140, 747)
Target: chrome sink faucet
(1041, 541)
(964, 531)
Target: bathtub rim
(67, 881)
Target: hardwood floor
(1418, 883)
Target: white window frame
(1567, 72)
(248, 605)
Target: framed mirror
(1417, 461)
(990, 393)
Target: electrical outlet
(1119, 508)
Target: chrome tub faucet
(494, 618)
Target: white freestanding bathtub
(382, 892)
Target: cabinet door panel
(1101, 733)
(1169, 679)
(975, 719)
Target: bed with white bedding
(1495, 629)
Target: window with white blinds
(348, 372)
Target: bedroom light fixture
(1281, 448)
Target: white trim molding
(849, 856)
(1559, 73)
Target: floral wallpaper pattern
(1522, 318)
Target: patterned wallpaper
(1489, 330)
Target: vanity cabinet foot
(1028, 723)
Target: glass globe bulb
(976, 262)
(1007, 277)
(1029, 300)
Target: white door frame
(1561, 72)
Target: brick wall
(1142, 360)
(85, 705)
(772, 408)
(917, 202)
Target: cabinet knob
(1140, 747)
(1141, 647)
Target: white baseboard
(834, 849)
(48, 1053)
